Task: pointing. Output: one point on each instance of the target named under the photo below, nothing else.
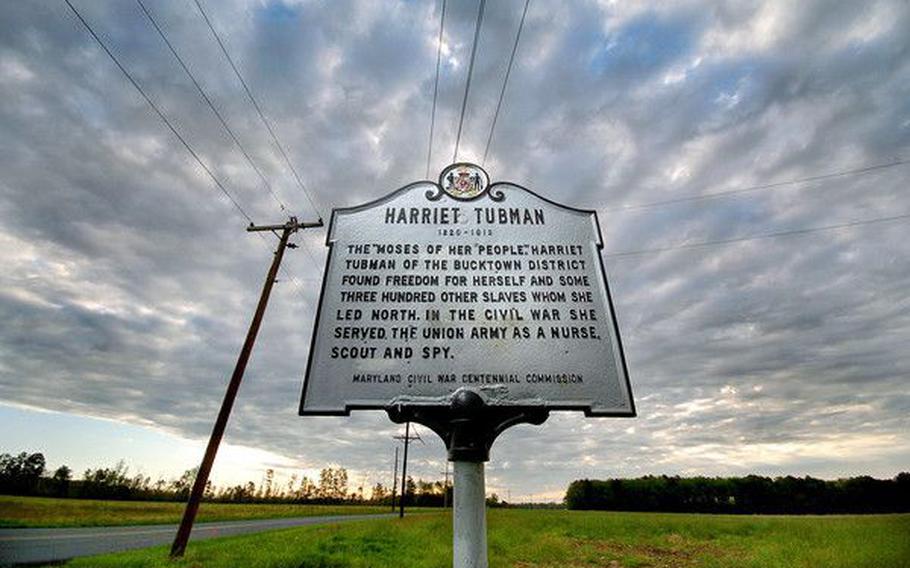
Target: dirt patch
(675, 552)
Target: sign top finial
(464, 181)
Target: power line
(252, 99)
(158, 111)
(844, 173)
(467, 86)
(505, 81)
(227, 128)
(759, 237)
(442, 23)
(264, 120)
(211, 105)
(168, 123)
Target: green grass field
(45, 512)
(527, 539)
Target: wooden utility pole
(205, 468)
(404, 470)
(445, 488)
(404, 465)
(394, 478)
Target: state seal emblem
(464, 181)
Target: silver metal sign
(465, 284)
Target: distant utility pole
(394, 478)
(192, 506)
(404, 465)
(445, 488)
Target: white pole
(469, 516)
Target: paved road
(19, 546)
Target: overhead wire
(809, 230)
(210, 104)
(262, 117)
(505, 82)
(748, 189)
(167, 122)
(221, 119)
(442, 23)
(467, 86)
(683, 246)
(775, 234)
(256, 106)
(158, 111)
(771, 235)
(620, 254)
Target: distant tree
(265, 490)
(426, 487)
(307, 490)
(20, 474)
(106, 482)
(333, 484)
(140, 484)
(341, 483)
(410, 490)
(183, 484)
(751, 494)
(62, 473)
(237, 494)
(582, 495)
(291, 489)
(379, 493)
(61, 480)
(902, 483)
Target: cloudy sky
(128, 279)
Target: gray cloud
(129, 280)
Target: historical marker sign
(437, 287)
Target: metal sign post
(469, 546)
(205, 468)
(469, 426)
(467, 307)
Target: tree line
(752, 494)
(26, 474)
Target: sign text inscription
(427, 291)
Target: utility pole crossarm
(292, 224)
